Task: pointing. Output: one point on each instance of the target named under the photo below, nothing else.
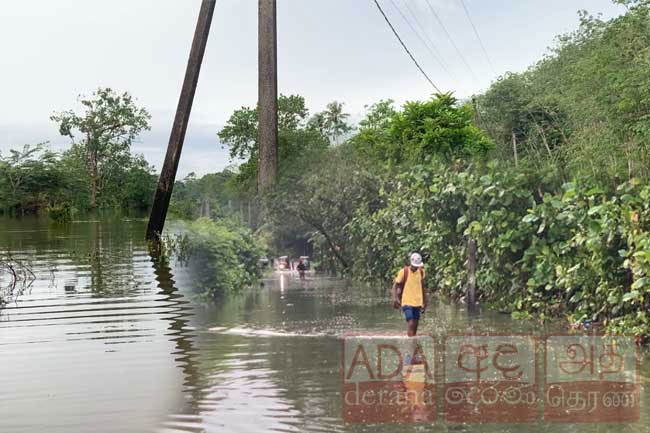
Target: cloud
(202, 151)
(328, 50)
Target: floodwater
(109, 339)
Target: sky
(54, 51)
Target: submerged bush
(224, 256)
(60, 213)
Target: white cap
(416, 260)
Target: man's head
(415, 260)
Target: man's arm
(396, 303)
(398, 280)
(425, 294)
(425, 298)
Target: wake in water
(266, 332)
(252, 332)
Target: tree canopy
(101, 136)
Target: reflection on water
(96, 342)
(109, 338)
(270, 359)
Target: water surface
(108, 338)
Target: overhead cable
(431, 47)
(434, 55)
(487, 56)
(451, 40)
(404, 46)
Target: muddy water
(108, 339)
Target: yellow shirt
(412, 292)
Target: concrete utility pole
(268, 94)
(177, 137)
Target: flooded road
(108, 339)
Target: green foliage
(224, 255)
(30, 179)
(589, 255)
(316, 200)
(134, 188)
(98, 171)
(584, 107)
(296, 134)
(213, 195)
(101, 139)
(60, 213)
(332, 122)
(581, 251)
(36, 180)
(372, 139)
(435, 127)
(240, 134)
(438, 128)
(346, 178)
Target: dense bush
(584, 106)
(582, 251)
(30, 179)
(439, 127)
(224, 255)
(590, 255)
(433, 208)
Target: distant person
(408, 292)
(301, 268)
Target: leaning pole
(177, 136)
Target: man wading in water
(409, 293)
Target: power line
(432, 47)
(442, 25)
(434, 55)
(487, 56)
(404, 46)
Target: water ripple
(100, 332)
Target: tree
(240, 134)
(134, 185)
(334, 121)
(102, 134)
(435, 128)
(583, 108)
(29, 179)
(317, 123)
(211, 195)
(373, 138)
(291, 112)
(294, 136)
(315, 202)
